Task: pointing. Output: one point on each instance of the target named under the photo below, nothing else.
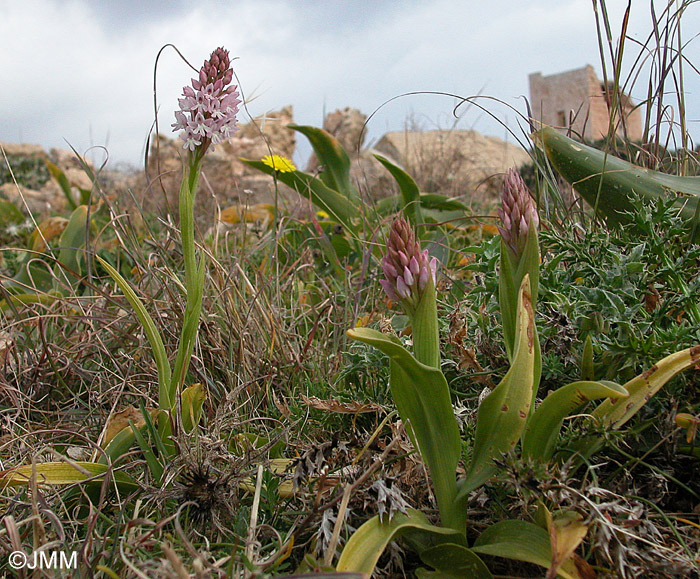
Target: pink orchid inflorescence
(207, 114)
(407, 269)
(517, 212)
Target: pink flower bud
(517, 212)
(407, 269)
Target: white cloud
(84, 74)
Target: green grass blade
(154, 467)
(149, 327)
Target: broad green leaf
(439, 202)
(63, 473)
(73, 239)
(335, 161)
(522, 541)
(542, 431)
(453, 561)
(159, 354)
(422, 398)
(409, 190)
(503, 413)
(614, 413)
(119, 445)
(338, 206)
(607, 182)
(20, 299)
(366, 545)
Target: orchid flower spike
(207, 114)
(407, 269)
(517, 212)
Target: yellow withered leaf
(566, 532)
(120, 420)
(260, 212)
(46, 231)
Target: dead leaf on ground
(120, 420)
(341, 407)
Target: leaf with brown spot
(503, 413)
(644, 386)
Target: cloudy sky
(81, 72)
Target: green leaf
(587, 367)
(540, 436)
(503, 413)
(191, 403)
(366, 545)
(607, 182)
(422, 398)
(613, 413)
(338, 206)
(154, 466)
(9, 213)
(73, 240)
(453, 561)
(409, 190)
(522, 541)
(335, 161)
(63, 183)
(63, 473)
(159, 354)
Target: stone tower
(577, 101)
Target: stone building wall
(575, 100)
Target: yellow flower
(281, 164)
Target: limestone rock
(452, 162)
(225, 179)
(346, 125)
(25, 150)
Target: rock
(452, 162)
(42, 202)
(225, 179)
(24, 150)
(346, 125)
(266, 133)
